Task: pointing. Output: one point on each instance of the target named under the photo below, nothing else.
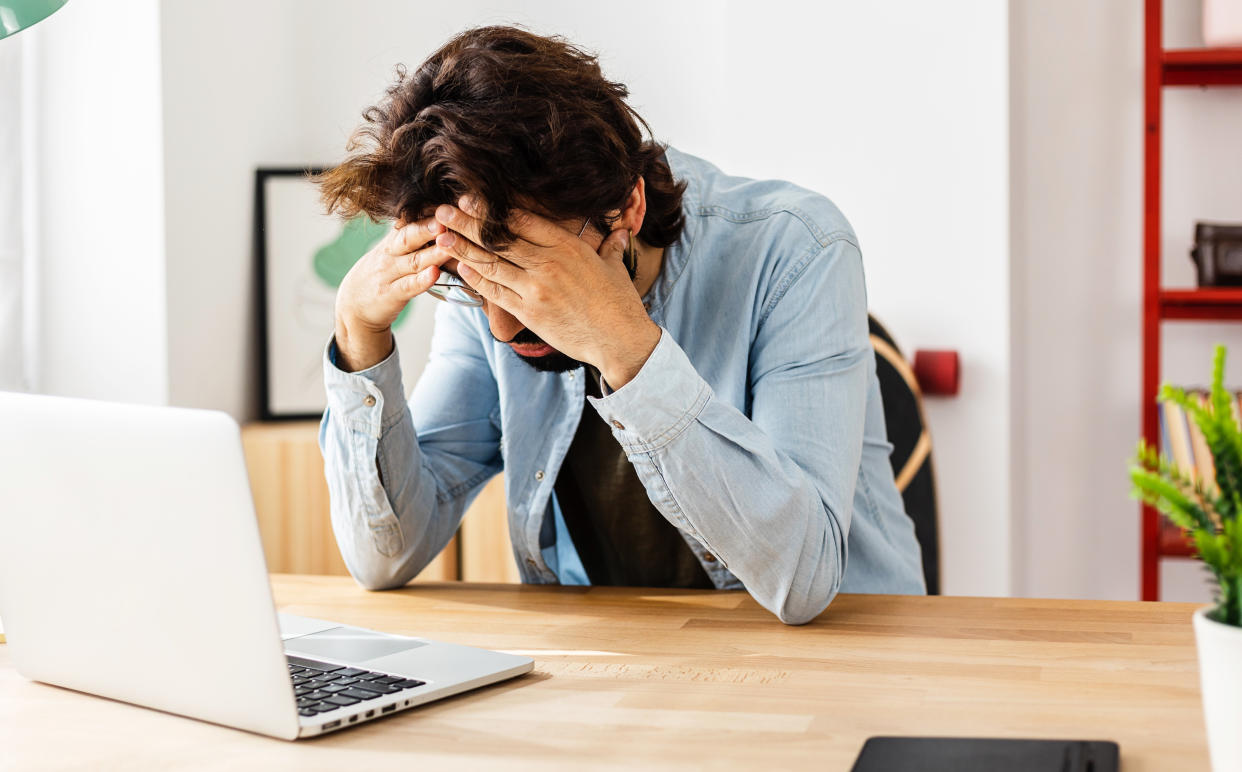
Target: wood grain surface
(664, 679)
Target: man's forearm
(720, 477)
(385, 482)
(385, 509)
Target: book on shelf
(1177, 438)
(1183, 443)
(1205, 468)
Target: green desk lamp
(17, 15)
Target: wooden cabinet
(486, 552)
(291, 501)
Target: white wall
(99, 194)
(231, 103)
(1077, 227)
(899, 115)
(12, 371)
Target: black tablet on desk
(969, 754)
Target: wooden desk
(690, 679)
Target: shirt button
(709, 557)
(539, 475)
(571, 376)
(368, 400)
(531, 562)
(647, 306)
(618, 425)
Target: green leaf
(1169, 498)
(1209, 514)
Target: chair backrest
(911, 440)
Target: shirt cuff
(659, 403)
(368, 401)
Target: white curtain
(13, 374)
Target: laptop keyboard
(322, 686)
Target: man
(670, 365)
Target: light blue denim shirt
(755, 426)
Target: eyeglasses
(451, 289)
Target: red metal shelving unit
(1201, 66)
(1189, 67)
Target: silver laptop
(131, 567)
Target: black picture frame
(262, 285)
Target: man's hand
(403, 264)
(580, 302)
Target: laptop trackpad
(349, 644)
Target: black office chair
(912, 462)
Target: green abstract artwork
(334, 259)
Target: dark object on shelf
(1218, 254)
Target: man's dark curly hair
(515, 119)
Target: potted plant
(1209, 512)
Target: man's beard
(555, 362)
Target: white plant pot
(1220, 675)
